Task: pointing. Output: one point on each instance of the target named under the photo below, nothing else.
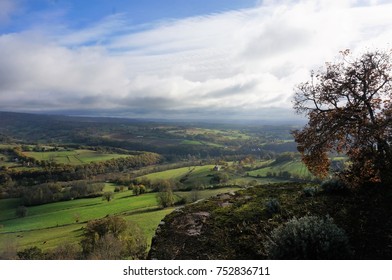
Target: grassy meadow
(295, 167)
(73, 157)
(49, 225)
(193, 173)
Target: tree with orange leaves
(348, 105)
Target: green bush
(31, 253)
(272, 206)
(21, 211)
(310, 191)
(334, 186)
(136, 189)
(308, 238)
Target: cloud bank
(237, 64)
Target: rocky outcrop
(237, 225)
(208, 229)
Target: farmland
(292, 168)
(181, 173)
(50, 225)
(55, 172)
(73, 157)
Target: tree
(66, 251)
(165, 196)
(113, 238)
(108, 196)
(31, 253)
(136, 190)
(349, 108)
(219, 178)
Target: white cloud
(241, 62)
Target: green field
(50, 225)
(74, 157)
(195, 172)
(201, 175)
(296, 168)
(6, 160)
(53, 223)
(48, 238)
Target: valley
(55, 172)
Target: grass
(47, 226)
(74, 157)
(200, 143)
(243, 181)
(203, 194)
(7, 146)
(52, 237)
(178, 173)
(63, 213)
(6, 160)
(191, 142)
(213, 134)
(295, 167)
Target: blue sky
(218, 59)
(80, 14)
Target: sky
(176, 59)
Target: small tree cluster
(138, 189)
(113, 238)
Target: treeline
(54, 192)
(11, 179)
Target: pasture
(74, 157)
(191, 172)
(6, 161)
(295, 167)
(49, 225)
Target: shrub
(66, 251)
(31, 253)
(334, 186)
(142, 189)
(21, 211)
(310, 191)
(108, 196)
(112, 238)
(272, 206)
(308, 238)
(136, 190)
(284, 157)
(181, 201)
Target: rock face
(192, 223)
(237, 225)
(227, 226)
(200, 231)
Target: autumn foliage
(349, 108)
